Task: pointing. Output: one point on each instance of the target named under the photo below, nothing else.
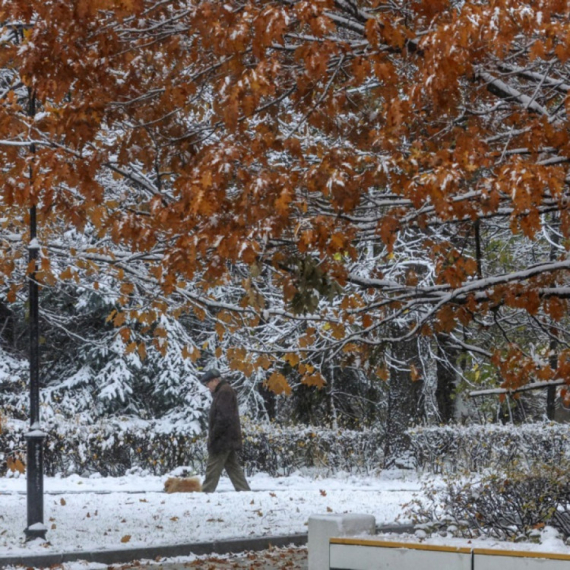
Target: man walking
(224, 434)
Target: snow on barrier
(358, 554)
(518, 560)
(369, 554)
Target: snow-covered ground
(100, 513)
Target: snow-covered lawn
(100, 513)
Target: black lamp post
(35, 437)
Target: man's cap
(210, 375)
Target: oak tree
(392, 168)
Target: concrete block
(324, 527)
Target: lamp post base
(34, 531)
(35, 483)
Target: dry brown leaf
(14, 464)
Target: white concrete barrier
(360, 554)
(370, 554)
(323, 527)
(487, 559)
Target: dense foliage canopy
(319, 180)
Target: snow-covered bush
(109, 448)
(503, 481)
(508, 504)
(478, 447)
(117, 446)
(282, 450)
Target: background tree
(355, 174)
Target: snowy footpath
(99, 513)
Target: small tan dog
(183, 485)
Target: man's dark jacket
(224, 433)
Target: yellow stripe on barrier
(442, 548)
(409, 545)
(522, 554)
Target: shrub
(115, 447)
(476, 448)
(282, 450)
(110, 448)
(508, 504)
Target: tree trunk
(551, 393)
(269, 401)
(446, 378)
(404, 408)
(6, 325)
